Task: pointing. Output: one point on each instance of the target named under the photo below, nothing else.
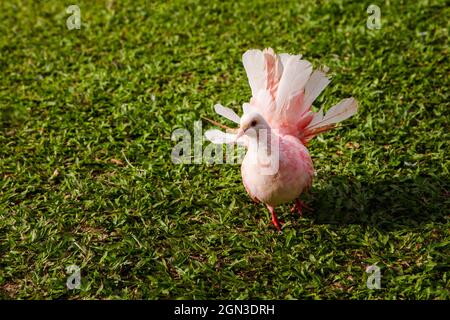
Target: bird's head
(251, 124)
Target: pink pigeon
(276, 126)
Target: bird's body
(294, 174)
(277, 124)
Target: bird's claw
(299, 205)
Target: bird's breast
(276, 183)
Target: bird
(276, 125)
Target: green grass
(86, 176)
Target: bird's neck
(264, 141)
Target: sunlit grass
(86, 176)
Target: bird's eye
(253, 123)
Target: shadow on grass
(386, 204)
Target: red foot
(299, 205)
(275, 221)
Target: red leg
(275, 221)
(298, 204)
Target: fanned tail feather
(284, 87)
(227, 113)
(321, 123)
(274, 70)
(219, 137)
(343, 110)
(314, 87)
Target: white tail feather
(254, 64)
(247, 107)
(283, 91)
(315, 85)
(295, 75)
(316, 118)
(219, 137)
(285, 56)
(227, 113)
(343, 110)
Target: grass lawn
(86, 177)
